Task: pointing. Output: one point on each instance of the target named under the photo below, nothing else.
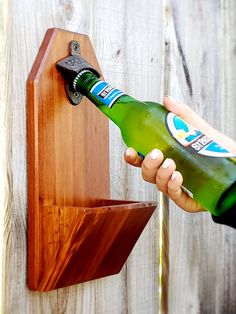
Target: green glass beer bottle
(209, 170)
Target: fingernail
(166, 163)
(171, 98)
(173, 177)
(129, 152)
(154, 153)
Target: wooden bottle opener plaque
(75, 232)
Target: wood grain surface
(201, 72)
(146, 51)
(113, 34)
(87, 243)
(73, 234)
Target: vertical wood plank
(201, 73)
(200, 65)
(5, 192)
(136, 59)
(128, 40)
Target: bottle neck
(84, 82)
(105, 97)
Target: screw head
(74, 48)
(76, 94)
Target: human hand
(162, 172)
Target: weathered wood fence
(184, 48)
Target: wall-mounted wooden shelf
(75, 232)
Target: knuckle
(174, 191)
(149, 168)
(145, 166)
(160, 176)
(149, 177)
(159, 179)
(162, 189)
(145, 177)
(171, 189)
(161, 186)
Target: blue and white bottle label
(193, 139)
(106, 93)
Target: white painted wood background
(184, 48)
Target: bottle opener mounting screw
(74, 48)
